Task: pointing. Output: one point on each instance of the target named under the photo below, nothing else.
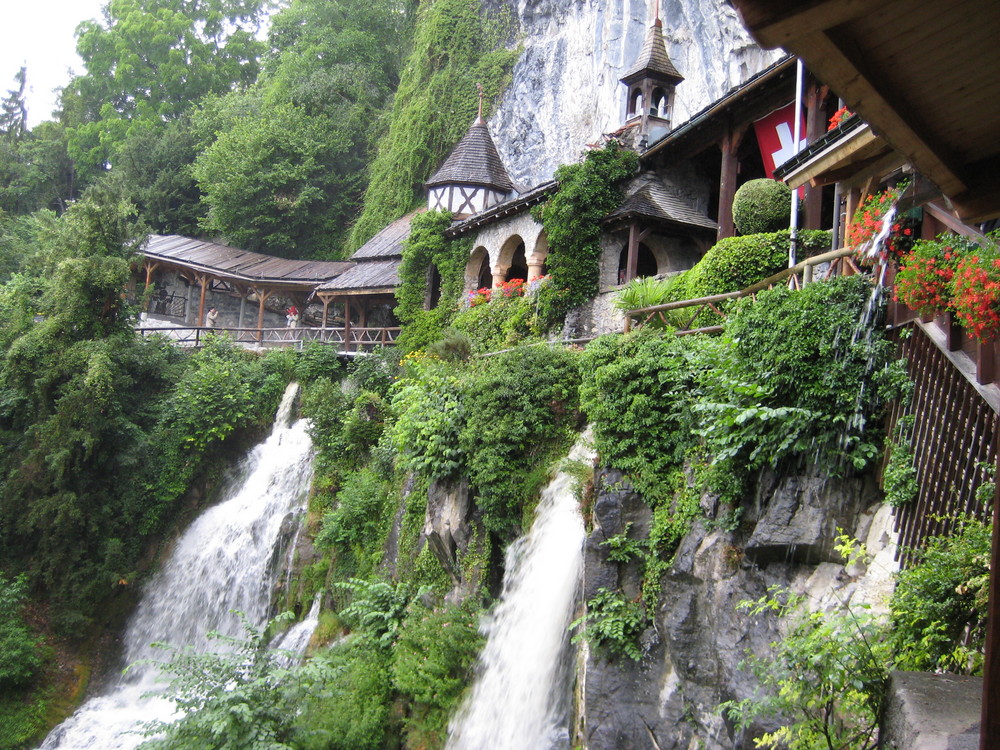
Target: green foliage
(899, 480)
(376, 610)
(587, 192)
(635, 391)
(519, 408)
(428, 251)
(825, 681)
(432, 666)
(612, 623)
(622, 547)
(762, 205)
(36, 172)
(455, 46)
(377, 371)
(357, 524)
(938, 609)
(735, 263)
(351, 709)
(787, 384)
(430, 413)
(238, 697)
(503, 323)
(189, 50)
(19, 648)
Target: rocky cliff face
(699, 635)
(565, 91)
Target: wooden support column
(816, 123)
(262, 296)
(635, 237)
(347, 324)
(149, 267)
(989, 720)
(727, 180)
(203, 282)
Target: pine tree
(14, 109)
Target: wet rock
(446, 526)
(802, 515)
(932, 712)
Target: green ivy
(572, 217)
(455, 46)
(427, 247)
(899, 480)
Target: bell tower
(651, 82)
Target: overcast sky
(39, 34)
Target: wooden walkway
(348, 340)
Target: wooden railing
(800, 273)
(353, 339)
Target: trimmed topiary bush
(762, 206)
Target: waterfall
(521, 696)
(226, 560)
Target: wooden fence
(954, 434)
(353, 339)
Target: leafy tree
(149, 60)
(14, 109)
(19, 656)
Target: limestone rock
(932, 712)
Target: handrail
(829, 256)
(353, 338)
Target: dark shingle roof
(369, 276)
(653, 61)
(474, 161)
(231, 262)
(388, 243)
(654, 201)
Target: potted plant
(976, 293)
(868, 223)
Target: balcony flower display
(479, 296)
(976, 296)
(925, 280)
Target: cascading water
(225, 561)
(521, 697)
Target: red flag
(776, 137)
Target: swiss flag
(776, 137)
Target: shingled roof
(653, 61)
(654, 201)
(376, 269)
(474, 161)
(227, 262)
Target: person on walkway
(292, 316)
(211, 317)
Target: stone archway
(511, 260)
(478, 274)
(537, 265)
(647, 264)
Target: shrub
(19, 655)
(502, 323)
(612, 623)
(432, 666)
(520, 406)
(938, 609)
(761, 206)
(430, 417)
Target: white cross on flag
(775, 137)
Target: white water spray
(225, 561)
(521, 697)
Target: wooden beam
(830, 62)
(727, 180)
(632, 263)
(774, 23)
(989, 722)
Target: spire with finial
(651, 81)
(473, 177)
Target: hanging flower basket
(976, 299)
(924, 283)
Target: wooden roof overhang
(244, 268)
(759, 95)
(921, 72)
(850, 154)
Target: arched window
(485, 274)
(433, 294)
(518, 265)
(646, 265)
(660, 106)
(635, 102)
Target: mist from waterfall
(521, 696)
(228, 560)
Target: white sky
(39, 33)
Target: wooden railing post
(989, 721)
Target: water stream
(521, 696)
(228, 559)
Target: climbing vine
(428, 248)
(587, 192)
(455, 46)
